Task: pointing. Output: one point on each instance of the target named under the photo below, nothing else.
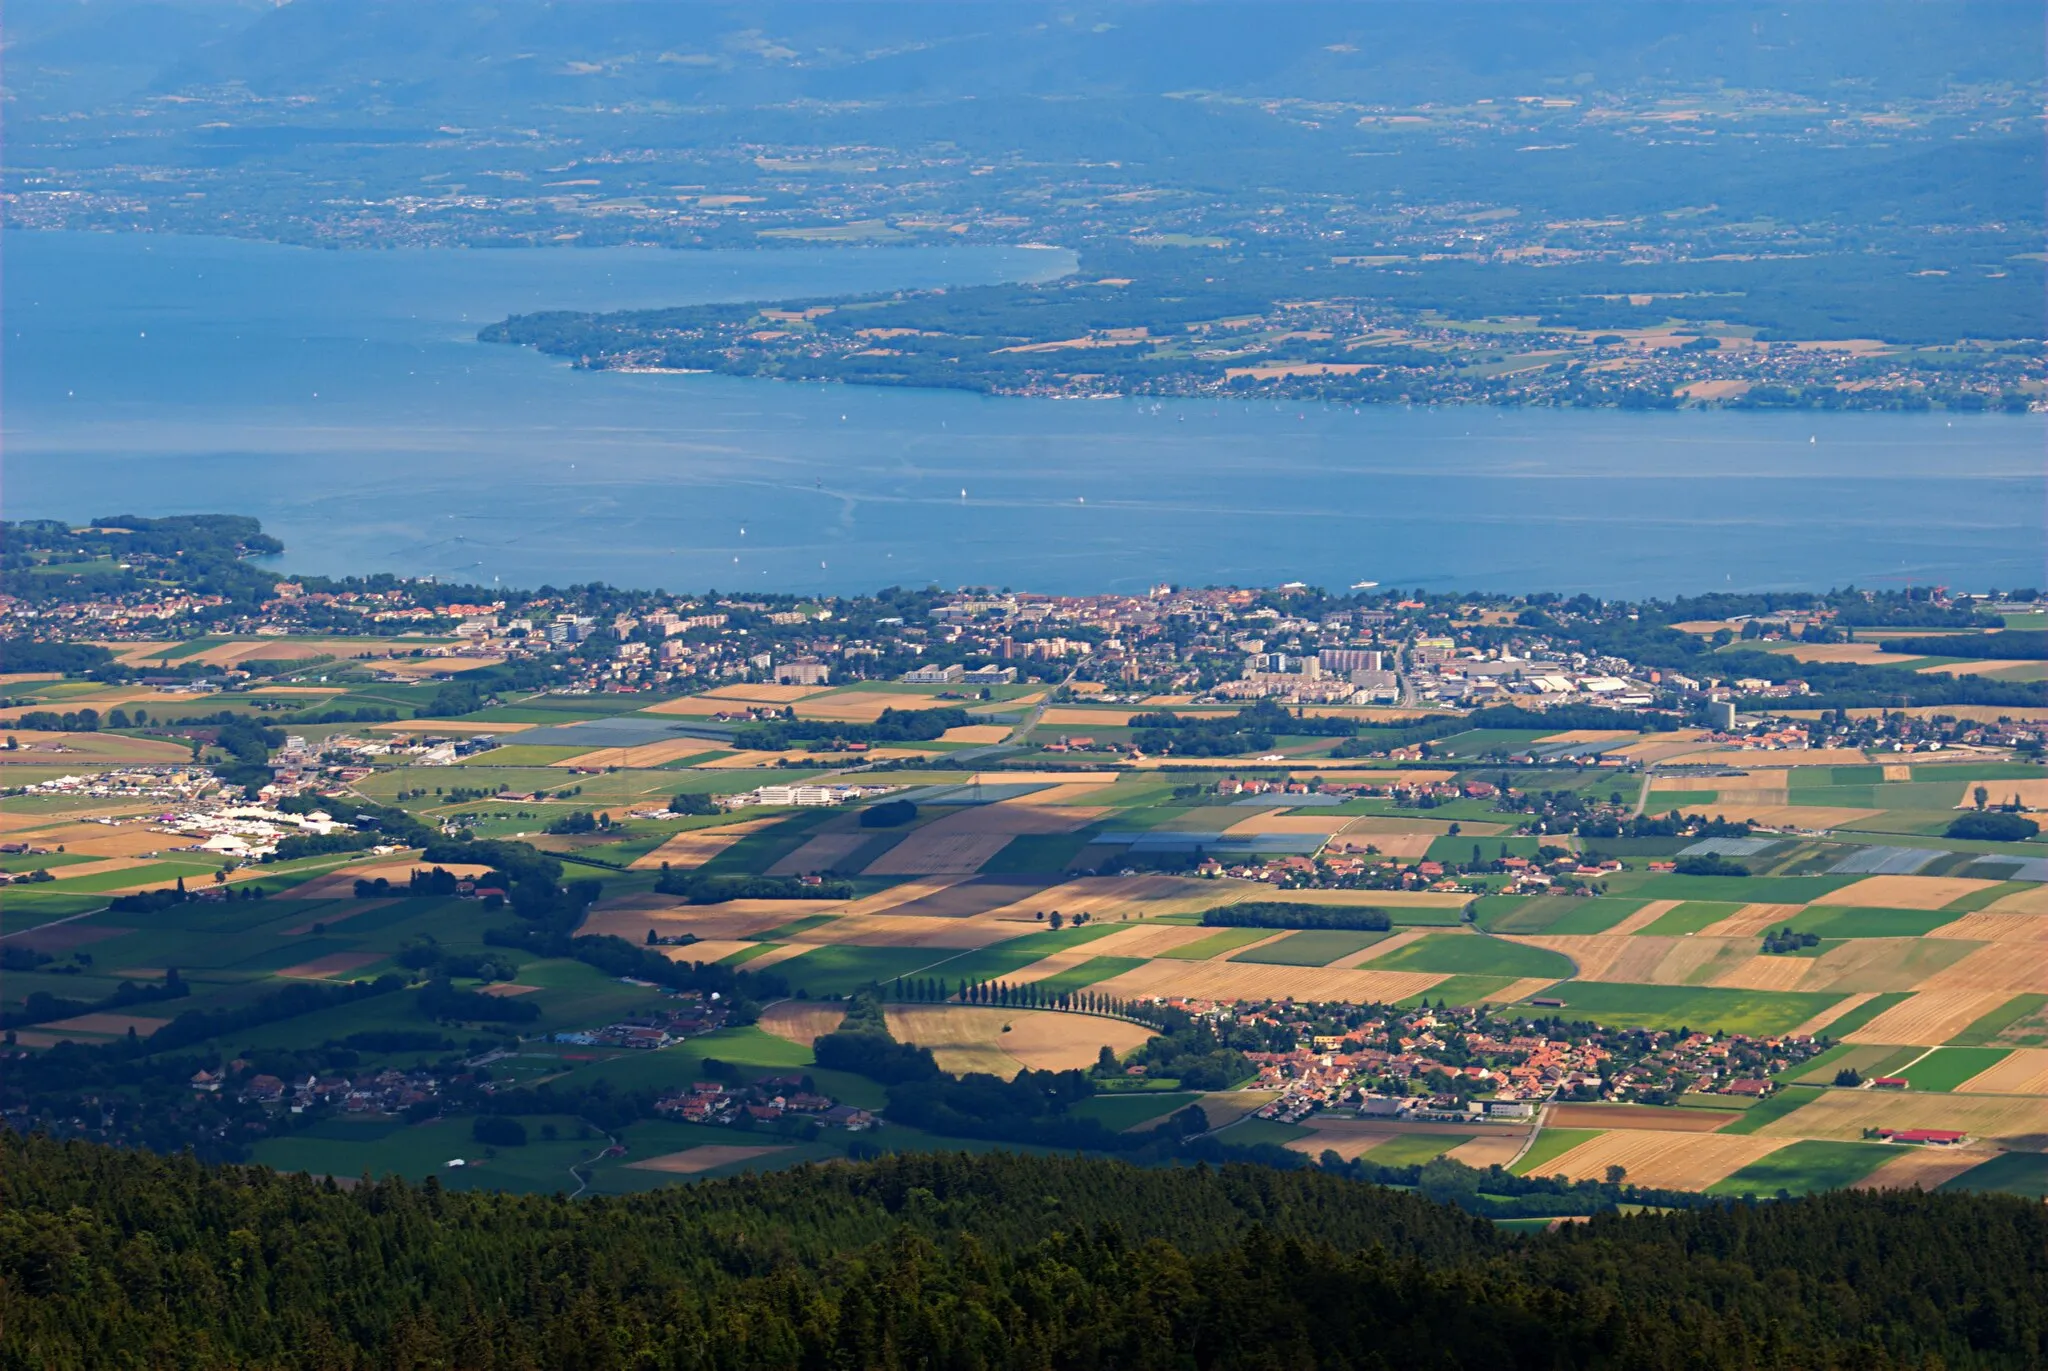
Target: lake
(341, 398)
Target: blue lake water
(341, 397)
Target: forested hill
(128, 1259)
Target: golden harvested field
(1403, 845)
(131, 840)
(341, 884)
(800, 1021)
(764, 694)
(973, 1038)
(1766, 973)
(11, 822)
(708, 1156)
(1116, 898)
(1600, 957)
(631, 918)
(1905, 892)
(1996, 926)
(1145, 940)
(641, 756)
(1489, 1149)
(915, 930)
(823, 853)
(414, 668)
(958, 843)
(1976, 668)
(751, 761)
(1857, 654)
(2025, 1072)
(288, 649)
(88, 749)
(1750, 921)
(976, 733)
(333, 964)
(1013, 817)
(113, 1025)
(2017, 1120)
(1382, 899)
(705, 950)
(860, 706)
(1930, 1018)
(2032, 793)
(695, 846)
(1071, 793)
(934, 851)
(1313, 824)
(1675, 1161)
(2013, 967)
(2033, 900)
(1924, 1168)
(1039, 1039)
(1772, 782)
(1643, 918)
(506, 990)
(1805, 817)
(1219, 980)
(1639, 1116)
(1880, 964)
(1058, 716)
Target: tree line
(944, 1260)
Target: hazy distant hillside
(387, 56)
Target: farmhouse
(1924, 1137)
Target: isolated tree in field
(1983, 796)
(1616, 1174)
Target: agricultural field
(1059, 881)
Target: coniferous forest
(127, 1259)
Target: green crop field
(1462, 990)
(1945, 1068)
(2016, 1173)
(994, 963)
(1999, 1020)
(1689, 918)
(1315, 947)
(1037, 854)
(348, 1148)
(1523, 914)
(1412, 1149)
(1088, 973)
(1217, 943)
(1251, 1132)
(1830, 921)
(1551, 1144)
(841, 968)
(1462, 954)
(1129, 1109)
(1802, 1167)
(1785, 1100)
(1755, 1012)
